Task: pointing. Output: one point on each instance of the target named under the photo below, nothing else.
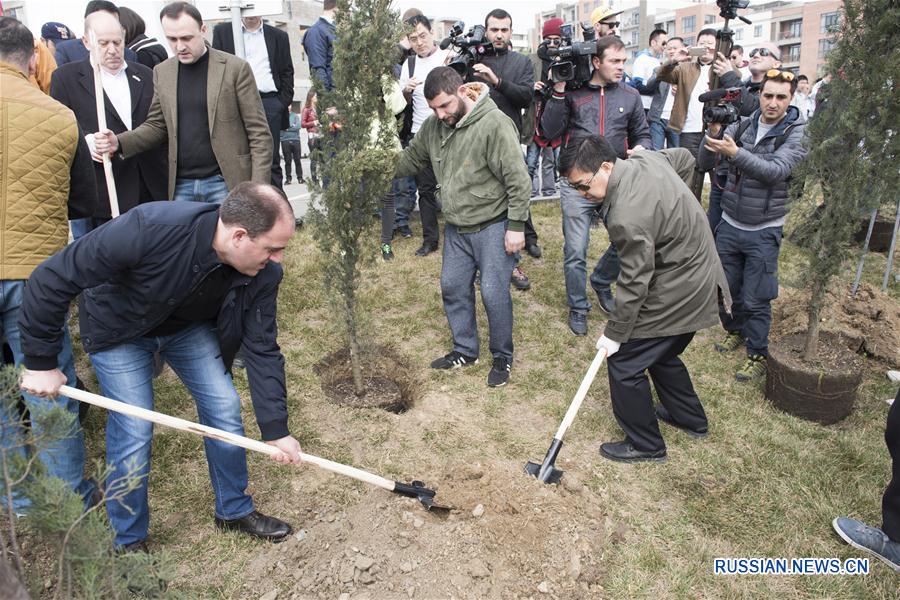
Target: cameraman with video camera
(759, 153)
(614, 111)
(509, 76)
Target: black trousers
(291, 150)
(630, 389)
(427, 185)
(531, 236)
(890, 503)
(274, 112)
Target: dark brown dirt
(870, 322)
(389, 383)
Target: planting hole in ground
(389, 384)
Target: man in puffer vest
(760, 151)
(46, 178)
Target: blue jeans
(211, 189)
(576, 222)
(715, 200)
(750, 260)
(63, 458)
(606, 271)
(125, 373)
(404, 201)
(660, 134)
(484, 251)
(547, 158)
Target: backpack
(406, 117)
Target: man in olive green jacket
(484, 189)
(668, 288)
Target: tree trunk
(816, 298)
(359, 386)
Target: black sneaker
(499, 375)
(387, 252)
(578, 322)
(405, 231)
(454, 360)
(606, 301)
(425, 250)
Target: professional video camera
(719, 105)
(472, 46)
(570, 61)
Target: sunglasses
(583, 187)
(611, 24)
(552, 41)
(763, 52)
(779, 74)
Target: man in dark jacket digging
(190, 283)
(667, 289)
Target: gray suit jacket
(238, 129)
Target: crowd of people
(191, 283)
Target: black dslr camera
(570, 61)
(472, 47)
(724, 110)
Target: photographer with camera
(693, 78)
(762, 59)
(759, 152)
(602, 105)
(485, 190)
(541, 150)
(509, 76)
(412, 81)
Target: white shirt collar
(119, 73)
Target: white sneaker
(894, 376)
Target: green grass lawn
(764, 484)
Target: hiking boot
(578, 322)
(454, 360)
(499, 375)
(386, 252)
(869, 539)
(606, 301)
(519, 279)
(754, 368)
(733, 340)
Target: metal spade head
(551, 474)
(417, 490)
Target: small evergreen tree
(356, 169)
(87, 566)
(854, 141)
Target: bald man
(127, 94)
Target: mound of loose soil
(870, 321)
(389, 382)
(509, 536)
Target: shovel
(547, 471)
(416, 489)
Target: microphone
(445, 43)
(713, 95)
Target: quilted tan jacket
(38, 138)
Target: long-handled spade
(547, 471)
(416, 489)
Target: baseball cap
(56, 31)
(601, 14)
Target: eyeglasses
(611, 24)
(583, 187)
(779, 74)
(764, 52)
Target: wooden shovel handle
(581, 393)
(101, 125)
(218, 434)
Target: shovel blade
(417, 490)
(550, 474)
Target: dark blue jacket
(758, 186)
(319, 45)
(134, 272)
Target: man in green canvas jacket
(668, 287)
(484, 189)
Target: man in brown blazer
(207, 107)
